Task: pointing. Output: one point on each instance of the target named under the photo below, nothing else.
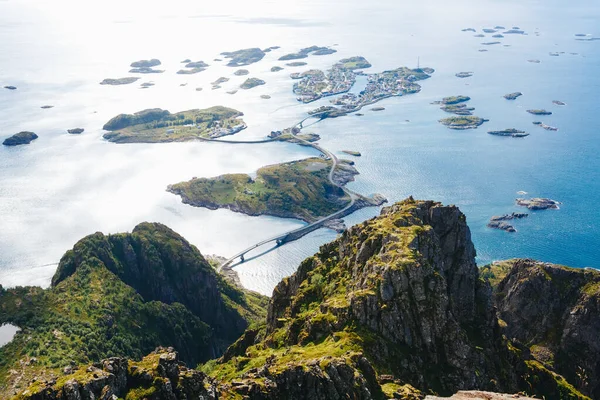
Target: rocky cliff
(394, 308)
(122, 295)
(555, 312)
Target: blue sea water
(62, 187)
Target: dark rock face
(161, 265)
(555, 311)
(20, 138)
(420, 296)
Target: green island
(252, 83)
(463, 122)
(298, 189)
(243, 57)
(450, 100)
(158, 126)
(394, 308)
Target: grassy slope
(90, 313)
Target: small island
(499, 222)
(298, 189)
(159, 126)
(243, 57)
(512, 132)
(463, 122)
(352, 153)
(10, 87)
(534, 61)
(241, 72)
(276, 69)
(469, 30)
(379, 108)
(20, 138)
(490, 43)
(513, 96)
(119, 81)
(219, 81)
(193, 68)
(252, 83)
(546, 127)
(455, 99)
(304, 53)
(146, 67)
(466, 74)
(46, 107)
(75, 131)
(458, 109)
(265, 96)
(146, 85)
(296, 64)
(539, 112)
(538, 203)
(559, 103)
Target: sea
(63, 187)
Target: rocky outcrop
(160, 375)
(20, 138)
(555, 311)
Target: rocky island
(241, 72)
(463, 122)
(352, 153)
(499, 222)
(20, 138)
(193, 68)
(456, 105)
(276, 69)
(119, 81)
(146, 67)
(512, 132)
(513, 96)
(75, 131)
(252, 83)
(157, 125)
(539, 112)
(559, 103)
(296, 64)
(243, 57)
(10, 87)
(546, 127)
(538, 203)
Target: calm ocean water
(62, 187)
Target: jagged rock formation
(554, 310)
(394, 308)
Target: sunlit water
(63, 187)
(7, 333)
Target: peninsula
(157, 125)
(304, 53)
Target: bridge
(297, 233)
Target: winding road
(296, 233)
